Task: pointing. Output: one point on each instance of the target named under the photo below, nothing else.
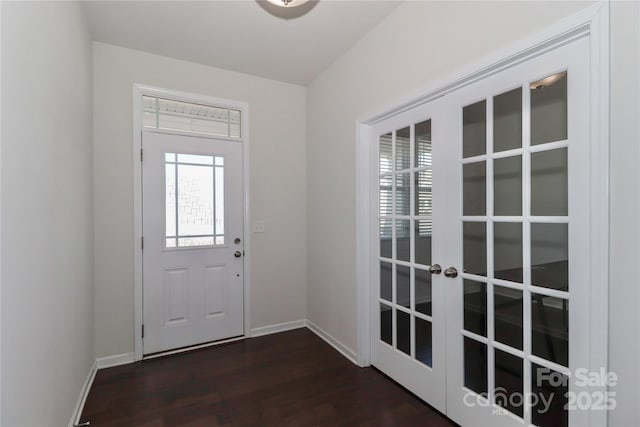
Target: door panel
(408, 343)
(520, 287)
(215, 290)
(192, 226)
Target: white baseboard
(194, 347)
(343, 349)
(330, 339)
(280, 327)
(126, 358)
(84, 393)
(115, 360)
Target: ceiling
(246, 36)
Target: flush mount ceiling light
(287, 9)
(288, 3)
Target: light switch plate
(258, 226)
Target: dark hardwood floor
(289, 379)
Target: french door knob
(237, 254)
(435, 269)
(451, 272)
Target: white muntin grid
(526, 219)
(397, 220)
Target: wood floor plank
(289, 379)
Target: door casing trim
(138, 91)
(592, 22)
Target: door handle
(435, 269)
(237, 254)
(451, 272)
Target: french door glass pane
(423, 339)
(474, 188)
(403, 286)
(403, 149)
(507, 246)
(385, 280)
(474, 129)
(403, 194)
(423, 241)
(475, 307)
(423, 194)
(386, 154)
(550, 256)
(475, 365)
(507, 305)
(386, 196)
(549, 183)
(549, 109)
(508, 382)
(403, 331)
(475, 248)
(423, 291)
(507, 186)
(403, 240)
(552, 388)
(423, 144)
(386, 324)
(385, 237)
(550, 328)
(507, 120)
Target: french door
(193, 241)
(480, 295)
(408, 321)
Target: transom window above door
(167, 114)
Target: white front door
(192, 241)
(480, 293)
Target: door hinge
(142, 331)
(142, 242)
(141, 154)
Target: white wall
(277, 158)
(418, 43)
(624, 295)
(47, 212)
(0, 213)
(425, 41)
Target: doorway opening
(191, 244)
(479, 230)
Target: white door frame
(138, 91)
(592, 22)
